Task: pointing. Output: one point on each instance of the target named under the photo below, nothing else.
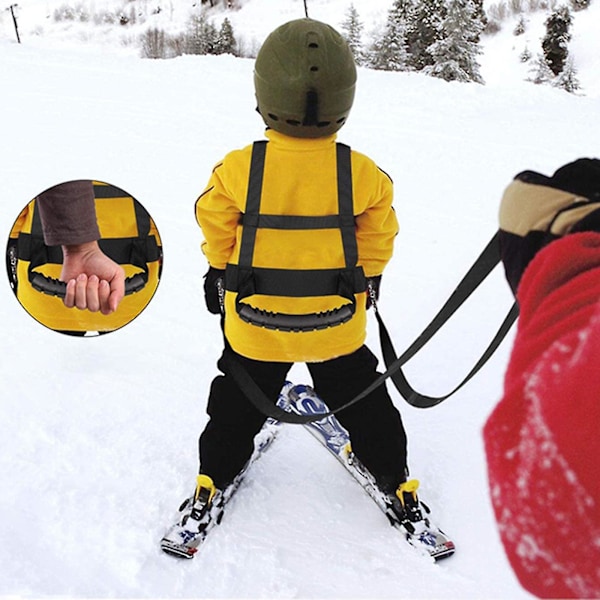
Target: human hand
(94, 281)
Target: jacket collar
(299, 144)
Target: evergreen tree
(480, 16)
(540, 71)
(525, 55)
(580, 4)
(455, 54)
(567, 78)
(225, 41)
(555, 42)
(406, 10)
(425, 28)
(201, 35)
(352, 29)
(389, 51)
(520, 27)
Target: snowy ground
(99, 435)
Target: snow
(99, 435)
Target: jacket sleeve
(219, 218)
(68, 213)
(541, 438)
(376, 225)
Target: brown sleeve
(68, 213)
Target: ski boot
(409, 514)
(197, 518)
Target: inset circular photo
(84, 258)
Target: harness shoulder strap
(346, 204)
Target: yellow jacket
(300, 179)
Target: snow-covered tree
(226, 42)
(455, 54)
(520, 27)
(352, 29)
(424, 29)
(579, 4)
(567, 78)
(555, 42)
(389, 51)
(201, 35)
(525, 55)
(540, 71)
(480, 16)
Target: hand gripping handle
(54, 287)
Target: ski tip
(177, 550)
(443, 550)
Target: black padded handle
(285, 322)
(54, 287)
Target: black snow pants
(376, 431)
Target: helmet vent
(313, 45)
(314, 68)
(274, 117)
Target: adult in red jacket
(542, 440)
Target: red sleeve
(542, 441)
(68, 213)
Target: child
(294, 229)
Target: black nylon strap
(346, 204)
(292, 221)
(118, 249)
(255, 181)
(104, 190)
(397, 376)
(297, 284)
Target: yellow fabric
(300, 178)
(116, 218)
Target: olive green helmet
(304, 78)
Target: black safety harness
(247, 280)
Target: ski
(183, 539)
(423, 535)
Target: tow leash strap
(481, 268)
